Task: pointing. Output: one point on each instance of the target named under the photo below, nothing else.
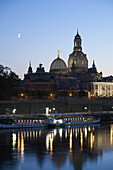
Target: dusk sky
(45, 26)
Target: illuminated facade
(102, 89)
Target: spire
(77, 34)
(93, 64)
(94, 69)
(30, 68)
(30, 64)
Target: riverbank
(38, 106)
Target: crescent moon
(18, 35)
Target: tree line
(9, 83)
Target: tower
(77, 57)
(77, 42)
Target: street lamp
(85, 108)
(50, 111)
(14, 111)
(22, 95)
(47, 110)
(54, 110)
(51, 95)
(70, 94)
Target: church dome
(58, 66)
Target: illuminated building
(74, 78)
(102, 89)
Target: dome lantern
(77, 42)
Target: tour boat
(50, 120)
(8, 123)
(68, 119)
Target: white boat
(64, 119)
(69, 119)
(54, 122)
(10, 123)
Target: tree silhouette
(9, 83)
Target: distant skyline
(33, 30)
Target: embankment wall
(61, 105)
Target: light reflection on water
(79, 148)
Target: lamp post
(85, 108)
(54, 110)
(51, 95)
(50, 111)
(70, 94)
(22, 95)
(14, 111)
(47, 110)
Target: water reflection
(55, 148)
(13, 140)
(70, 141)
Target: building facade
(71, 78)
(102, 89)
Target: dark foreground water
(78, 148)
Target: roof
(58, 64)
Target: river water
(72, 148)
